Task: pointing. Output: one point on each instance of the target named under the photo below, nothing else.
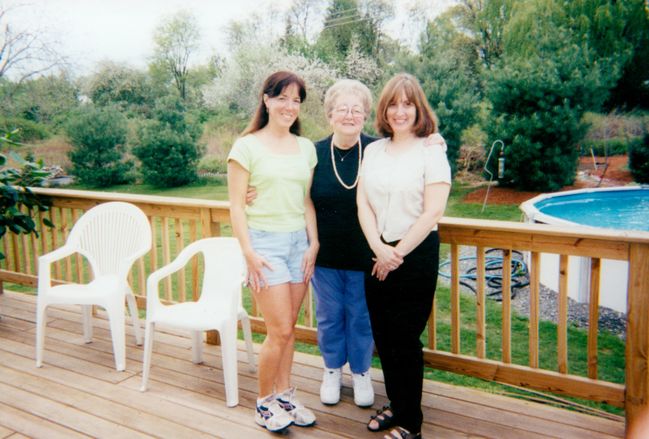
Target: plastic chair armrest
(57, 254)
(154, 278)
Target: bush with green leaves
(607, 147)
(167, 146)
(25, 130)
(17, 202)
(639, 160)
(98, 137)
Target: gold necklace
(358, 171)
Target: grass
(457, 208)
(204, 189)
(611, 348)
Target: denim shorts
(283, 251)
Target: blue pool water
(623, 209)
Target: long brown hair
(273, 86)
(425, 122)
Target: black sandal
(383, 420)
(402, 433)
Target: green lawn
(611, 348)
(204, 188)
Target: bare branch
(23, 53)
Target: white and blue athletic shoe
(302, 416)
(271, 415)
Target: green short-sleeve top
(280, 180)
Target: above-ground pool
(614, 208)
(621, 208)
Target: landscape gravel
(609, 319)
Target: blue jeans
(344, 330)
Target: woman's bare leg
(276, 304)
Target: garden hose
(519, 273)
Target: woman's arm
(385, 255)
(308, 262)
(238, 179)
(435, 197)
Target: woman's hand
(256, 278)
(435, 139)
(386, 259)
(308, 262)
(251, 195)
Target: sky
(89, 31)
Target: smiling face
(401, 114)
(347, 116)
(284, 108)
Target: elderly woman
(344, 332)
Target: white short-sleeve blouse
(394, 184)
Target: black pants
(399, 308)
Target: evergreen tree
(98, 137)
(167, 146)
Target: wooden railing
(177, 221)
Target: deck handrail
(177, 221)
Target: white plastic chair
(219, 307)
(112, 236)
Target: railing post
(637, 341)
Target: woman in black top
(344, 332)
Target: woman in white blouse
(401, 196)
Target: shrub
(98, 137)
(27, 130)
(18, 203)
(167, 146)
(639, 160)
(212, 164)
(606, 147)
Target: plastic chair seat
(191, 316)
(86, 294)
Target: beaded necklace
(358, 172)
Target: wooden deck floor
(78, 393)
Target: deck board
(78, 393)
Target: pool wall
(613, 274)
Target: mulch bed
(615, 174)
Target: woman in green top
(278, 236)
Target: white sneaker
(363, 390)
(302, 416)
(271, 415)
(330, 388)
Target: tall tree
(447, 69)
(484, 21)
(177, 39)
(547, 77)
(24, 53)
(126, 88)
(43, 99)
(347, 21)
(302, 15)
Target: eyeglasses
(357, 112)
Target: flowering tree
(251, 63)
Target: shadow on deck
(78, 393)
